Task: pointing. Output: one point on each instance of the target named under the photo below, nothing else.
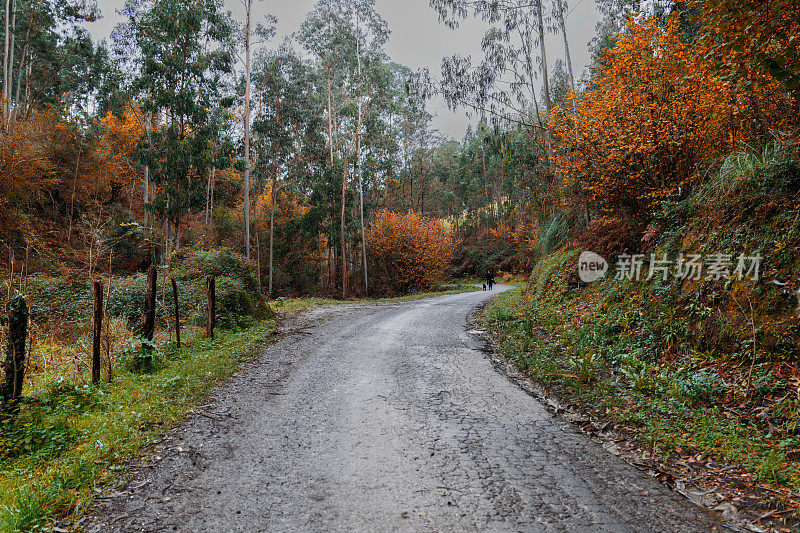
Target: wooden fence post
(14, 365)
(211, 317)
(98, 330)
(177, 314)
(150, 303)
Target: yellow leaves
(287, 206)
(122, 133)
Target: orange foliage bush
(746, 35)
(120, 137)
(660, 107)
(25, 159)
(408, 252)
(288, 205)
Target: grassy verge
(71, 438)
(679, 409)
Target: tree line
(193, 130)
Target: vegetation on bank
(71, 438)
(692, 366)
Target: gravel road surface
(379, 417)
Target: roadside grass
(677, 408)
(71, 438)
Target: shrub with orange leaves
(408, 252)
(288, 205)
(26, 165)
(659, 107)
(746, 35)
(120, 137)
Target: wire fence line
(56, 344)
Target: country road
(383, 417)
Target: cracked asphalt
(376, 417)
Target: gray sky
(417, 38)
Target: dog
(484, 286)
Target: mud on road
(376, 417)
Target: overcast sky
(417, 38)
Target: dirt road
(381, 417)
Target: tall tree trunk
(74, 185)
(563, 25)
(330, 108)
(178, 232)
(213, 190)
(483, 179)
(258, 255)
(208, 196)
(547, 102)
(20, 71)
(146, 195)
(11, 57)
(358, 161)
(247, 133)
(344, 254)
(5, 53)
(455, 201)
(272, 230)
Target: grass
(675, 407)
(72, 438)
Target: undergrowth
(72, 437)
(704, 365)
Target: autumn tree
(657, 110)
(409, 252)
(746, 35)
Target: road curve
(377, 417)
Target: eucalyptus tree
(503, 84)
(47, 56)
(329, 33)
(182, 51)
(560, 14)
(264, 33)
(282, 122)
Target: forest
(308, 168)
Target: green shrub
(127, 239)
(142, 357)
(586, 365)
(700, 387)
(550, 277)
(71, 300)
